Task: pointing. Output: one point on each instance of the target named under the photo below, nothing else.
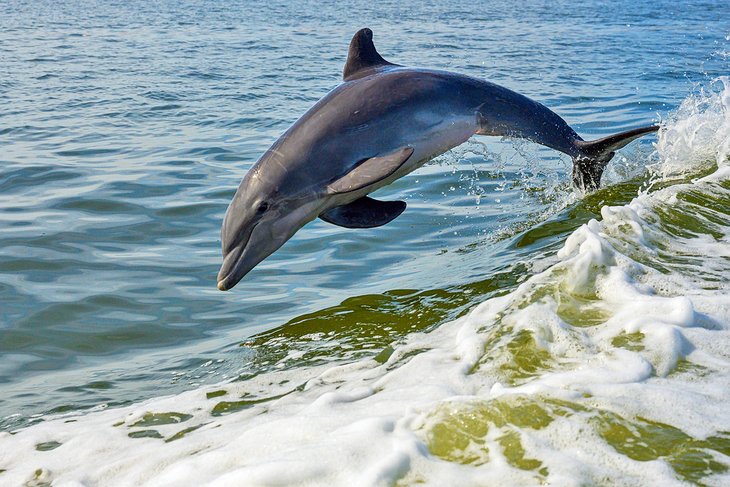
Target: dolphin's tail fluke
(593, 156)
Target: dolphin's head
(263, 215)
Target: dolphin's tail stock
(593, 156)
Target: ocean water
(505, 330)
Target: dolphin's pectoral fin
(364, 213)
(369, 171)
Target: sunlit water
(597, 354)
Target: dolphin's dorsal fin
(362, 55)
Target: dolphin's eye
(262, 208)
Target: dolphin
(381, 123)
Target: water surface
(126, 127)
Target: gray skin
(383, 122)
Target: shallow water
(125, 130)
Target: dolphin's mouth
(234, 264)
(231, 262)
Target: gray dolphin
(381, 123)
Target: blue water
(125, 128)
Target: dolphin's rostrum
(381, 123)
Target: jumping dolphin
(383, 122)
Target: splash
(697, 136)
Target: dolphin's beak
(240, 259)
(263, 240)
(236, 264)
(229, 274)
